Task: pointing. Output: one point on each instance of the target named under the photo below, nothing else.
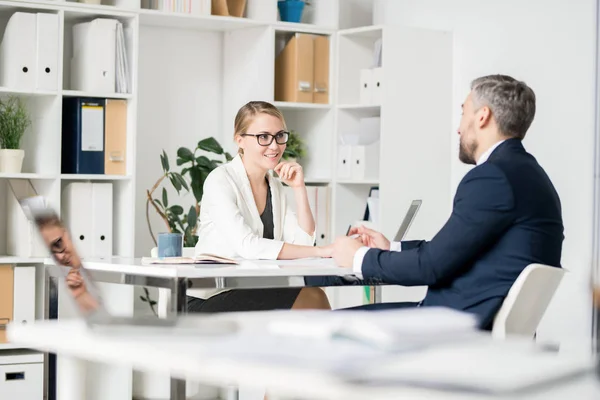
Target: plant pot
(291, 10)
(11, 161)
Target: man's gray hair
(511, 102)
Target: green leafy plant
(295, 147)
(14, 120)
(194, 171)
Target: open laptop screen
(57, 239)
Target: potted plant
(14, 120)
(295, 149)
(194, 170)
(291, 10)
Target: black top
(267, 217)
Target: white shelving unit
(190, 75)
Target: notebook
(199, 259)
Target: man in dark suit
(506, 214)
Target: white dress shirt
(397, 246)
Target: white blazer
(230, 223)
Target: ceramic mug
(170, 245)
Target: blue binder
(83, 135)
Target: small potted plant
(295, 149)
(14, 120)
(291, 10)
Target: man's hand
(370, 237)
(344, 249)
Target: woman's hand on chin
(290, 173)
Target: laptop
(408, 219)
(84, 294)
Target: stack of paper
(122, 66)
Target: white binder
(318, 198)
(102, 219)
(365, 161)
(377, 83)
(87, 211)
(22, 237)
(366, 80)
(344, 169)
(46, 69)
(24, 295)
(93, 66)
(17, 52)
(77, 216)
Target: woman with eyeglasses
(245, 213)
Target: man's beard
(466, 153)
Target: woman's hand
(290, 173)
(325, 251)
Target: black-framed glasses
(265, 139)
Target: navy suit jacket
(506, 215)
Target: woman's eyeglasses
(265, 139)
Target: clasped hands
(344, 248)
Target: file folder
(294, 70)
(321, 70)
(115, 137)
(78, 219)
(102, 220)
(24, 295)
(46, 69)
(93, 66)
(83, 136)
(91, 226)
(17, 52)
(22, 237)
(6, 294)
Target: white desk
(196, 359)
(250, 274)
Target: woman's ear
(238, 141)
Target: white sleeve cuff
(396, 246)
(358, 260)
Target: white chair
(527, 301)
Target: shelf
(358, 181)
(359, 107)
(21, 92)
(195, 22)
(27, 176)
(79, 93)
(302, 28)
(365, 32)
(21, 260)
(284, 105)
(94, 177)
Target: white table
(196, 359)
(178, 278)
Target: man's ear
(484, 117)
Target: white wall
(550, 44)
(181, 63)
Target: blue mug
(170, 245)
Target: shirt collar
(483, 158)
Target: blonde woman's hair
(249, 111)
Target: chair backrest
(187, 252)
(527, 301)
